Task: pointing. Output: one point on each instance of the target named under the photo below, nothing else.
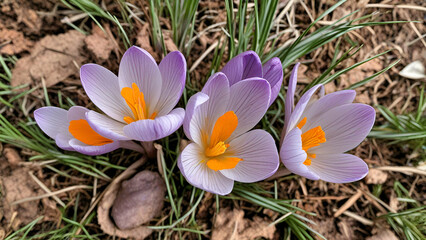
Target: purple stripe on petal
(292, 155)
(151, 130)
(245, 65)
(173, 73)
(328, 102)
(51, 120)
(217, 88)
(191, 107)
(300, 107)
(273, 73)
(77, 113)
(138, 66)
(93, 150)
(260, 157)
(345, 127)
(199, 175)
(249, 99)
(106, 126)
(62, 140)
(339, 168)
(289, 98)
(102, 87)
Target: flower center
(311, 138)
(222, 130)
(136, 101)
(81, 130)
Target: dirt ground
(50, 53)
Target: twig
(348, 203)
(51, 194)
(46, 189)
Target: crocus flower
(223, 150)
(140, 101)
(317, 132)
(72, 132)
(248, 65)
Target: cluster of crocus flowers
(317, 132)
(138, 104)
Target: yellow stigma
(222, 130)
(136, 101)
(311, 138)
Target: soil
(50, 53)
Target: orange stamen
(225, 163)
(136, 101)
(81, 130)
(311, 138)
(224, 127)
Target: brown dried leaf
(99, 44)
(104, 208)
(383, 234)
(14, 42)
(142, 39)
(12, 156)
(232, 225)
(29, 17)
(53, 57)
(376, 176)
(168, 41)
(139, 200)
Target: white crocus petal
(62, 140)
(300, 107)
(328, 102)
(51, 120)
(345, 127)
(339, 168)
(102, 87)
(205, 116)
(173, 74)
(93, 150)
(191, 107)
(249, 99)
(77, 113)
(138, 66)
(154, 129)
(196, 172)
(259, 153)
(289, 98)
(292, 155)
(106, 126)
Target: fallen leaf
(52, 58)
(414, 70)
(13, 42)
(168, 41)
(139, 200)
(142, 39)
(12, 156)
(231, 224)
(376, 176)
(383, 234)
(104, 208)
(99, 44)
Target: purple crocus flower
(223, 150)
(72, 132)
(140, 101)
(317, 132)
(247, 65)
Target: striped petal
(102, 87)
(191, 107)
(260, 157)
(249, 99)
(93, 150)
(345, 127)
(150, 130)
(106, 126)
(52, 120)
(243, 66)
(339, 168)
(273, 73)
(292, 155)
(196, 172)
(138, 66)
(173, 74)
